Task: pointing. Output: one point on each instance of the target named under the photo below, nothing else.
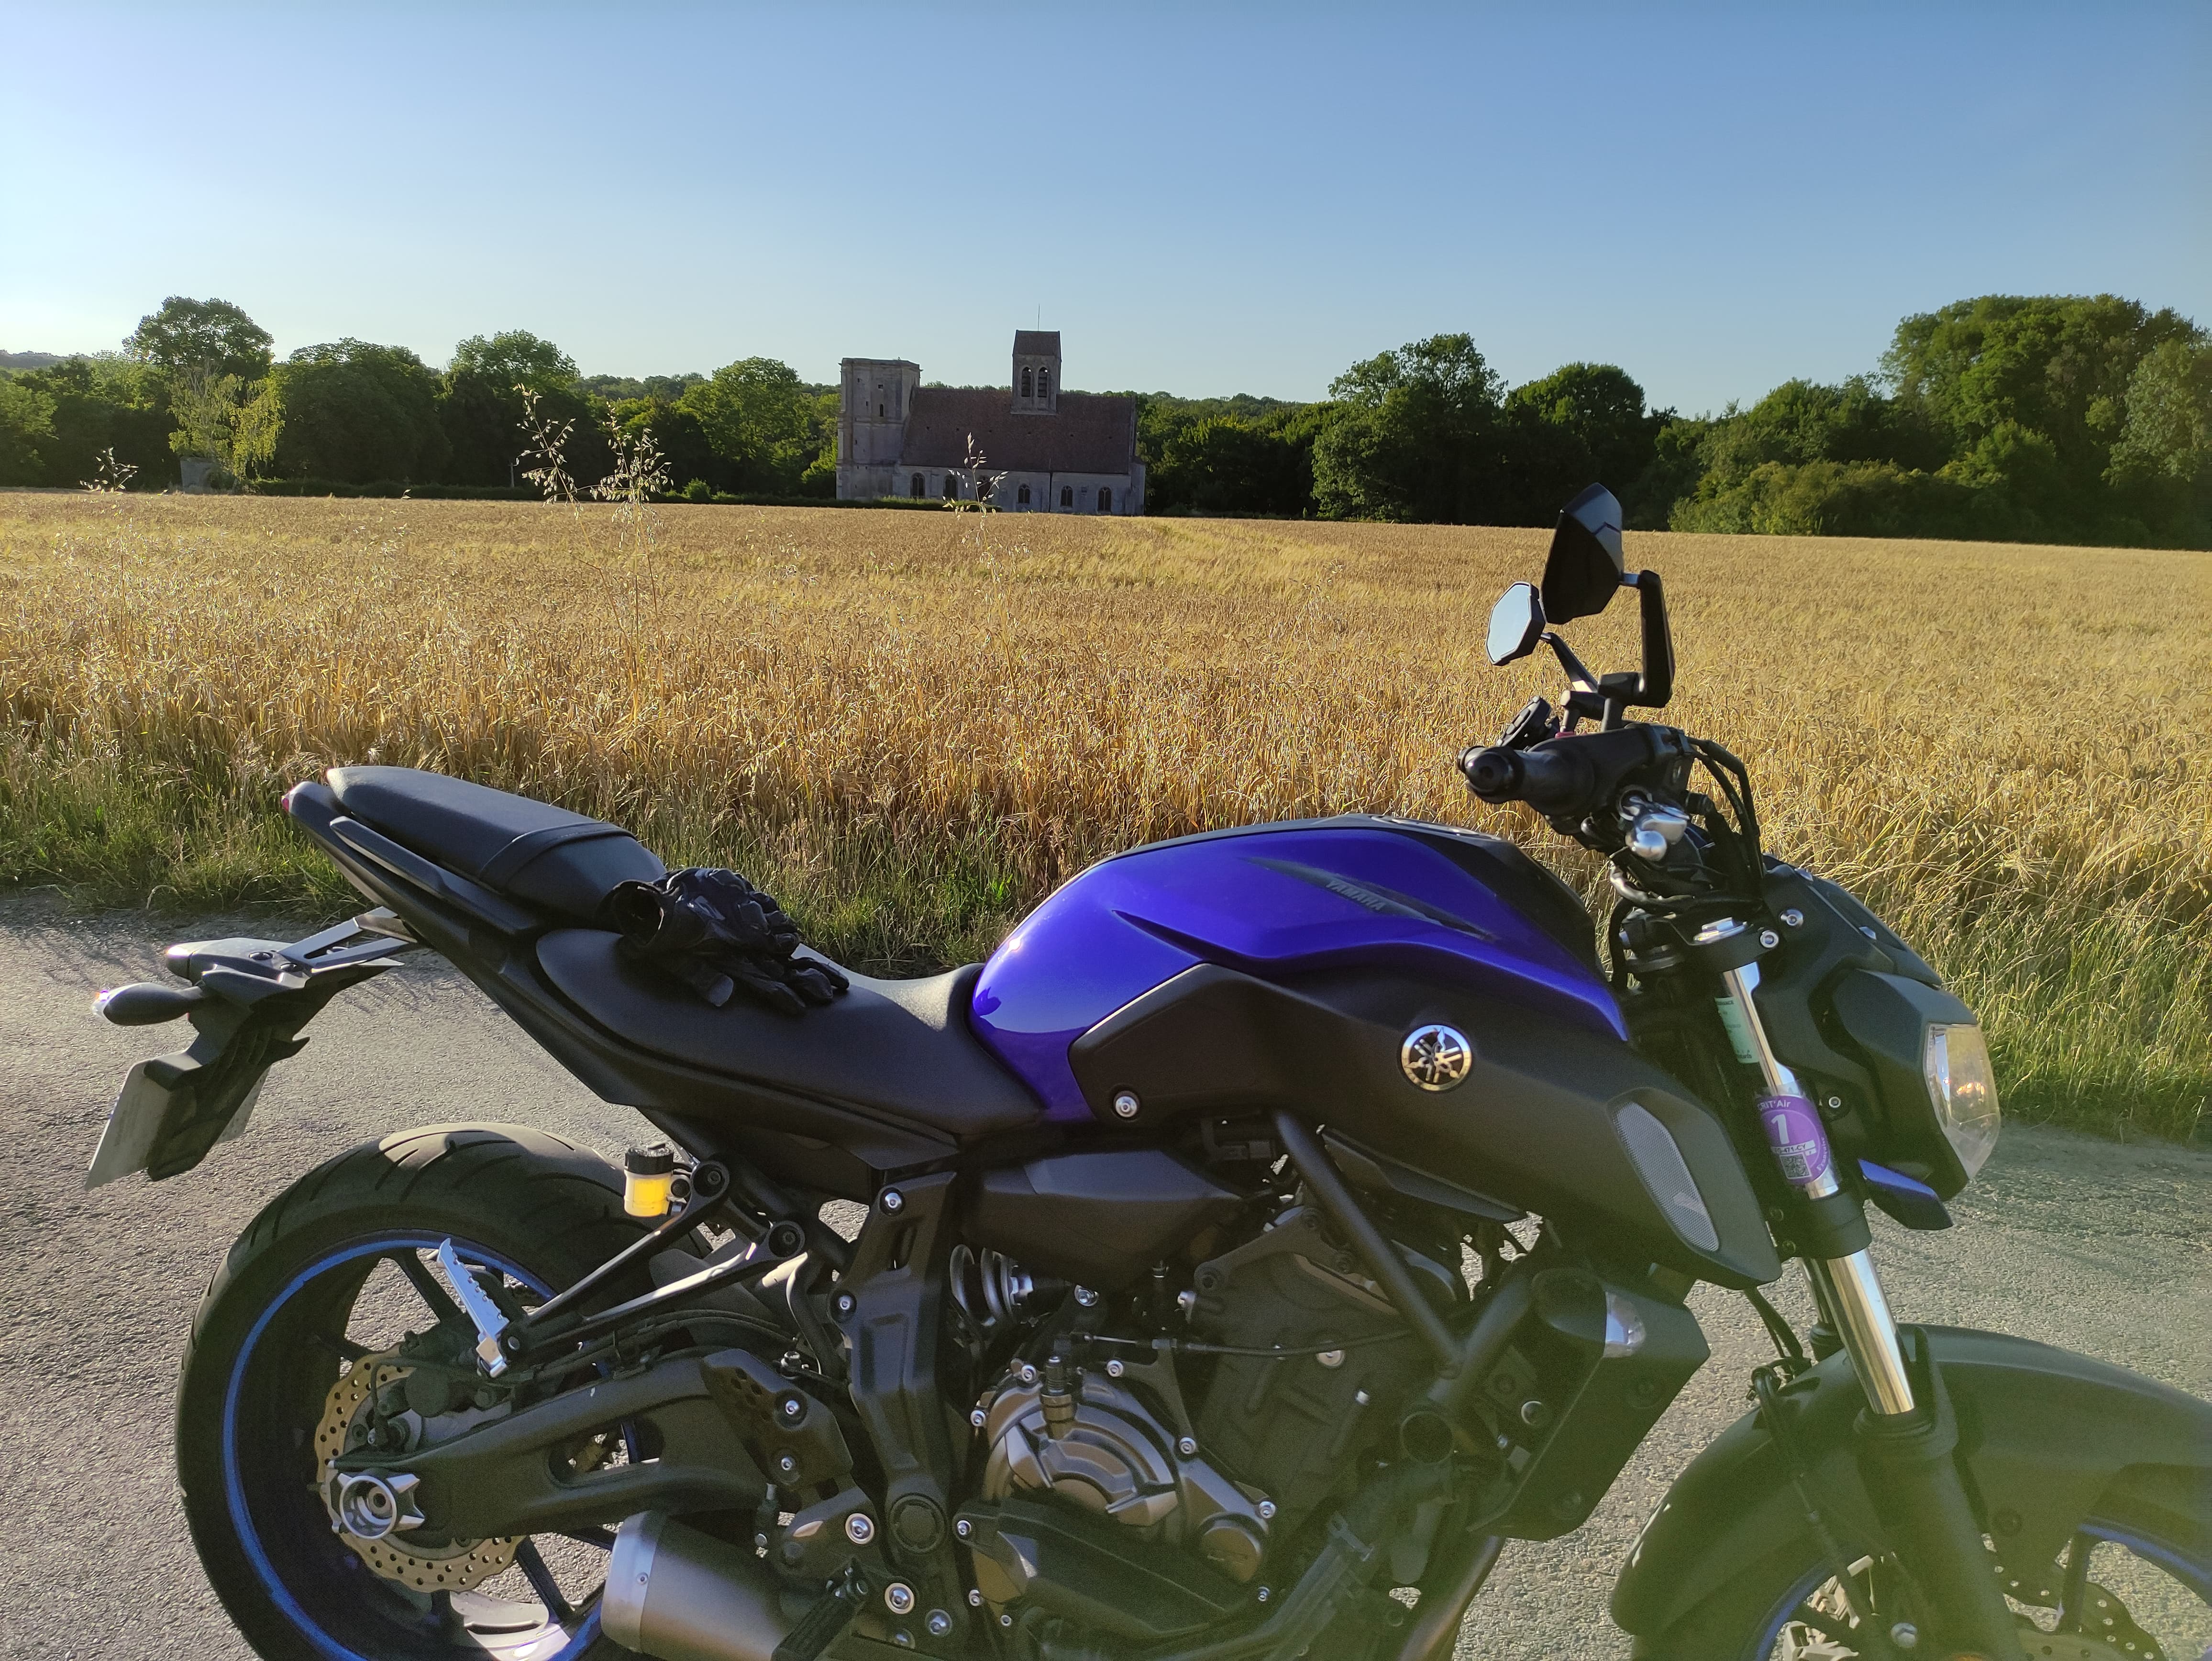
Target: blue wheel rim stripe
(2194, 1576)
(233, 1484)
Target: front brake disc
(426, 1564)
(2106, 1632)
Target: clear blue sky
(1203, 199)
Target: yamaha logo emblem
(1436, 1057)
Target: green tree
(232, 425)
(27, 429)
(1671, 476)
(1416, 436)
(101, 403)
(2161, 467)
(210, 335)
(1601, 406)
(622, 388)
(358, 413)
(1871, 449)
(1986, 373)
(1803, 421)
(677, 436)
(480, 410)
(1225, 464)
(1834, 498)
(763, 425)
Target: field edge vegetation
(910, 727)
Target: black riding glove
(715, 932)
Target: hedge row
(328, 487)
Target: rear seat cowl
(547, 857)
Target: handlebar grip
(1550, 780)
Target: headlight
(1956, 1063)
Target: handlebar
(1550, 780)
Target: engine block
(1089, 1439)
(1289, 1424)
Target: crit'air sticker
(1794, 1132)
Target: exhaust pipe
(683, 1596)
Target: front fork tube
(1847, 1289)
(1907, 1437)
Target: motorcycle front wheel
(293, 1358)
(2134, 1584)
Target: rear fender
(247, 1001)
(2042, 1433)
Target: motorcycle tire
(2149, 1575)
(337, 1268)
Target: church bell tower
(1036, 371)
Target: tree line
(197, 379)
(2055, 418)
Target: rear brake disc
(426, 1564)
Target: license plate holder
(147, 1106)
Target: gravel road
(2079, 1243)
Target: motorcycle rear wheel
(2135, 1570)
(328, 1277)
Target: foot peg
(484, 1314)
(824, 1623)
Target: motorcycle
(1280, 1222)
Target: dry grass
(911, 726)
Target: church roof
(1089, 433)
(1036, 343)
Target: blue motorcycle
(1281, 1222)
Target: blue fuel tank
(1281, 901)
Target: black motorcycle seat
(902, 1048)
(544, 855)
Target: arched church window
(917, 485)
(1025, 384)
(1022, 497)
(1105, 500)
(1044, 385)
(951, 487)
(1068, 496)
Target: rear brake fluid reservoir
(648, 1173)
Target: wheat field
(911, 726)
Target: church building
(1051, 451)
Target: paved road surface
(2079, 1242)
